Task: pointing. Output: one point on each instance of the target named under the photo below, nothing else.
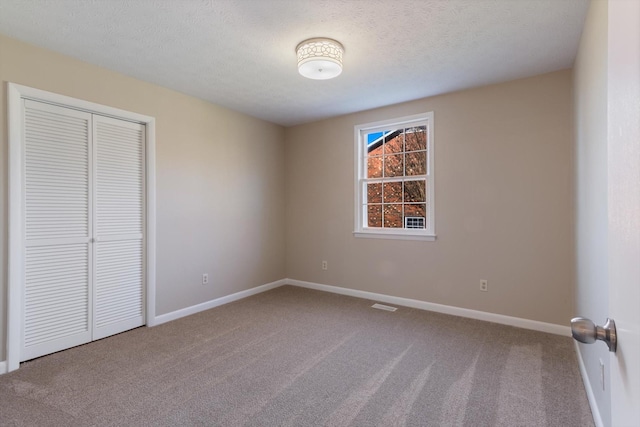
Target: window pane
(392, 192)
(393, 216)
(374, 215)
(416, 138)
(395, 143)
(415, 210)
(374, 193)
(394, 165)
(416, 163)
(374, 150)
(414, 191)
(374, 143)
(374, 167)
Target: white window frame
(360, 228)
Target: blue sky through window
(373, 137)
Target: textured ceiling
(240, 53)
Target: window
(394, 179)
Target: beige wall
(590, 95)
(504, 194)
(220, 179)
(504, 203)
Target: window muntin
(395, 177)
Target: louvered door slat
(57, 181)
(56, 298)
(119, 292)
(119, 213)
(51, 135)
(120, 148)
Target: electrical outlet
(484, 285)
(325, 265)
(205, 278)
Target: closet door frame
(15, 304)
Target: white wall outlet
(325, 265)
(484, 285)
(205, 278)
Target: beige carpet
(296, 357)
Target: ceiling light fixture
(320, 58)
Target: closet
(83, 229)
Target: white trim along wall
(405, 302)
(593, 403)
(15, 95)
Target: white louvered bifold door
(119, 225)
(83, 227)
(57, 178)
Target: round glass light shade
(320, 59)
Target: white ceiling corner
(241, 53)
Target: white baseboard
(406, 302)
(163, 318)
(439, 308)
(597, 418)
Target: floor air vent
(384, 307)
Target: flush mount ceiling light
(320, 58)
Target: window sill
(395, 235)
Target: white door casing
(623, 146)
(17, 95)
